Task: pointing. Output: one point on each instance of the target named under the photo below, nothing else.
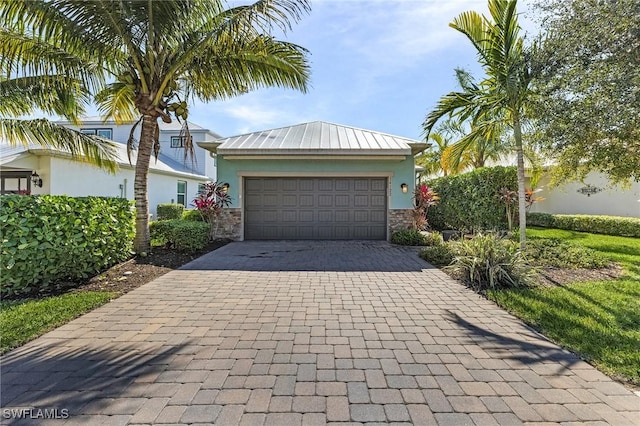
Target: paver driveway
(288, 333)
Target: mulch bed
(140, 270)
(563, 276)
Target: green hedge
(608, 225)
(193, 216)
(469, 201)
(184, 235)
(169, 211)
(48, 239)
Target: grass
(599, 320)
(26, 319)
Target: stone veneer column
(230, 224)
(399, 219)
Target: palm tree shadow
(55, 377)
(508, 347)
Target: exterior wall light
(404, 188)
(36, 180)
(225, 187)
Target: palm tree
(164, 54)
(40, 75)
(501, 97)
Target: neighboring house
(38, 170)
(595, 195)
(316, 181)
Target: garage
(315, 181)
(331, 208)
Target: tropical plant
(423, 198)
(488, 262)
(164, 54)
(37, 74)
(500, 98)
(210, 202)
(509, 198)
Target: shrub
(408, 237)
(48, 240)
(183, 235)
(468, 201)
(487, 261)
(169, 211)
(608, 225)
(432, 239)
(438, 255)
(561, 254)
(193, 216)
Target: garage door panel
(325, 184)
(305, 185)
(377, 201)
(289, 200)
(305, 216)
(325, 200)
(305, 200)
(289, 216)
(342, 200)
(378, 185)
(325, 216)
(315, 208)
(361, 200)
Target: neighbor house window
(177, 141)
(103, 133)
(182, 192)
(201, 188)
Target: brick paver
(291, 333)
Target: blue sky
(378, 65)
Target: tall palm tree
(36, 75)
(502, 96)
(164, 54)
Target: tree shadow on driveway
(79, 379)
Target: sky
(377, 65)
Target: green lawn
(600, 320)
(24, 320)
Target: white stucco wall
(65, 177)
(612, 201)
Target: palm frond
(117, 101)
(85, 148)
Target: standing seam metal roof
(321, 138)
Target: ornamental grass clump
(487, 261)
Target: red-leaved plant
(210, 202)
(423, 198)
(510, 200)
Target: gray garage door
(315, 208)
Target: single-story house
(316, 180)
(36, 170)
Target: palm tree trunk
(142, 240)
(522, 212)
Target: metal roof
(317, 137)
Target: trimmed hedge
(608, 225)
(187, 236)
(193, 216)
(469, 202)
(48, 240)
(169, 211)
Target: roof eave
(315, 152)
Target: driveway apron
(290, 333)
